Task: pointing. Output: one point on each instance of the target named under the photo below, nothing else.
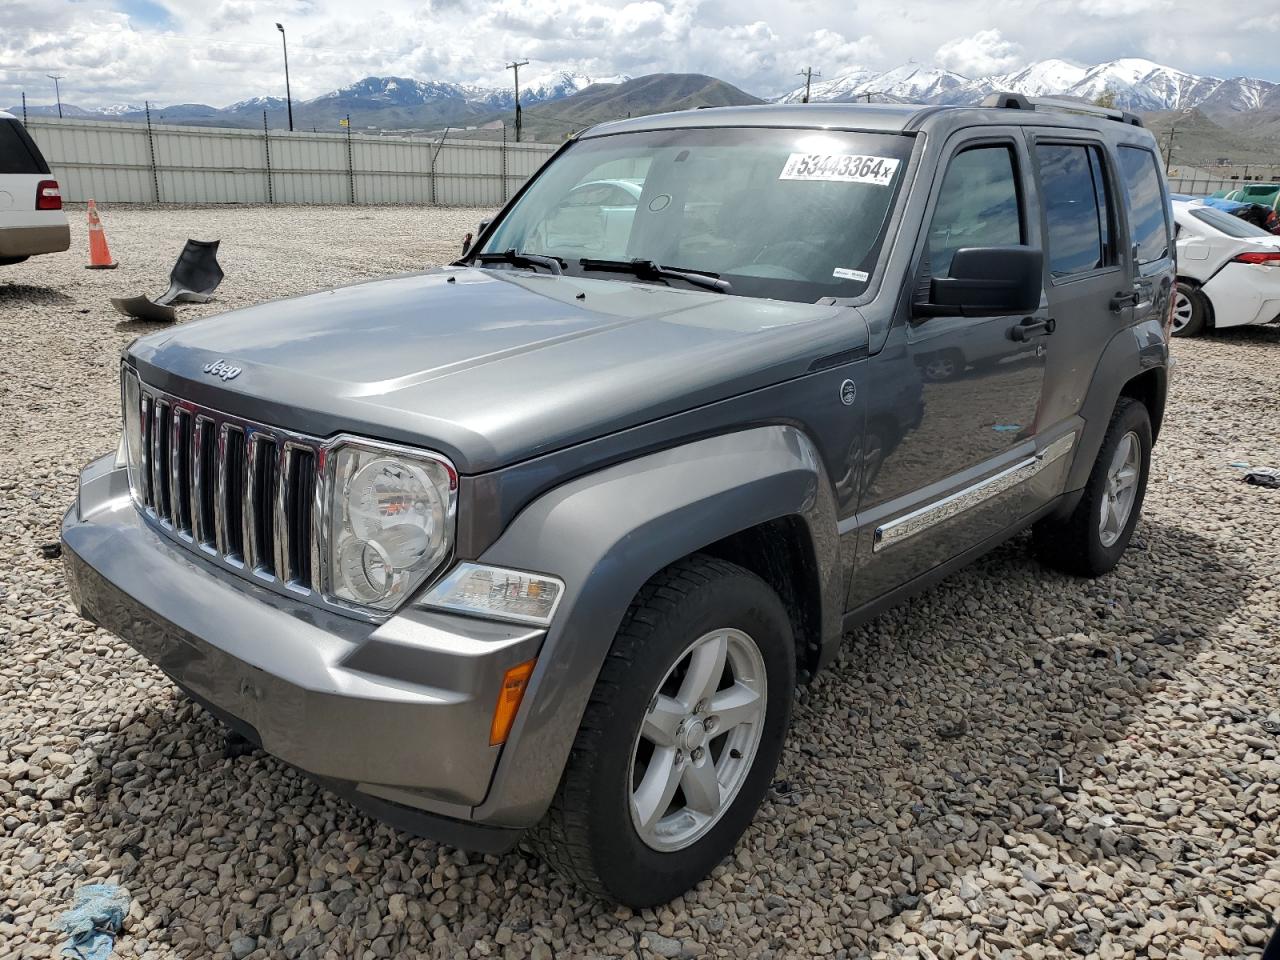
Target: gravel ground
(1016, 764)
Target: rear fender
(605, 535)
(1130, 353)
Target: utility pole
(57, 91)
(515, 66)
(808, 75)
(288, 95)
(1173, 128)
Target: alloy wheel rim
(1181, 311)
(940, 368)
(698, 739)
(1121, 489)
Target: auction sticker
(840, 167)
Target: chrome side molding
(930, 515)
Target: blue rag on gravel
(95, 917)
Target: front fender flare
(607, 533)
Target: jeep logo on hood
(220, 368)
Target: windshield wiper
(649, 270)
(518, 259)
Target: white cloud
(984, 53)
(836, 53)
(220, 51)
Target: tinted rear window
(1226, 223)
(1146, 203)
(17, 153)
(1075, 207)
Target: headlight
(391, 515)
(134, 455)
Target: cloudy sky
(220, 51)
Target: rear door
(1090, 290)
(1150, 220)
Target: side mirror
(987, 282)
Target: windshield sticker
(840, 167)
(844, 274)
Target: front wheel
(680, 739)
(1092, 539)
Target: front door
(953, 400)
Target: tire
(1087, 543)
(1190, 310)
(591, 834)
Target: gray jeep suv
(540, 543)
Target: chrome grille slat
(159, 461)
(179, 481)
(284, 481)
(220, 492)
(147, 495)
(249, 497)
(234, 491)
(199, 532)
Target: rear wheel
(1190, 310)
(1092, 539)
(680, 739)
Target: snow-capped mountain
(1042, 79)
(1135, 84)
(379, 102)
(404, 92)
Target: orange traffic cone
(99, 255)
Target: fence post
(24, 108)
(504, 163)
(434, 154)
(151, 146)
(266, 142)
(351, 170)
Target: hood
(491, 366)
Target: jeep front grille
(238, 492)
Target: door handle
(1122, 300)
(1029, 328)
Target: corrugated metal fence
(131, 163)
(1202, 186)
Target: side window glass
(977, 206)
(1073, 183)
(1146, 204)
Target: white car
(1228, 271)
(31, 217)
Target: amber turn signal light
(514, 682)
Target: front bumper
(30, 241)
(394, 716)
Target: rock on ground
(1016, 764)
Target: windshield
(1224, 222)
(783, 214)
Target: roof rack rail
(1016, 101)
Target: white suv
(31, 217)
